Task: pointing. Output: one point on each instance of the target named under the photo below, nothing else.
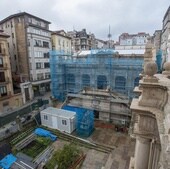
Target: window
(38, 54)
(3, 91)
(40, 76)
(38, 65)
(28, 42)
(5, 104)
(38, 23)
(1, 62)
(71, 82)
(37, 43)
(12, 35)
(59, 43)
(19, 20)
(2, 77)
(37, 31)
(136, 81)
(101, 82)
(46, 65)
(11, 24)
(0, 48)
(45, 117)
(85, 80)
(46, 55)
(45, 44)
(44, 33)
(120, 82)
(64, 122)
(47, 75)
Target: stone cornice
(135, 107)
(153, 95)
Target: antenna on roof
(73, 28)
(109, 36)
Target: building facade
(81, 40)
(29, 44)
(165, 36)
(100, 80)
(98, 69)
(133, 39)
(100, 44)
(8, 100)
(151, 117)
(61, 42)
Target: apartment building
(61, 42)
(81, 40)
(100, 44)
(29, 45)
(8, 99)
(165, 35)
(133, 39)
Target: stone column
(142, 153)
(155, 156)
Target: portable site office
(60, 119)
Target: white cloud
(95, 15)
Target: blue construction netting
(45, 133)
(98, 69)
(7, 161)
(84, 120)
(159, 60)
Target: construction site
(93, 90)
(99, 80)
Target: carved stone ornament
(150, 68)
(167, 68)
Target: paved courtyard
(119, 158)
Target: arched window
(120, 82)
(136, 81)
(71, 82)
(85, 80)
(101, 82)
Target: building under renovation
(100, 80)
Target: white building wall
(36, 54)
(64, 124)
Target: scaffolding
(84, 120)
(97, 69)
(159, 60)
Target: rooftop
(22, 14)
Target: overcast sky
(130, 16)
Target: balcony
(39, 81)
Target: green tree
(64, 157)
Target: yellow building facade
(61, 42)
(8, 100)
